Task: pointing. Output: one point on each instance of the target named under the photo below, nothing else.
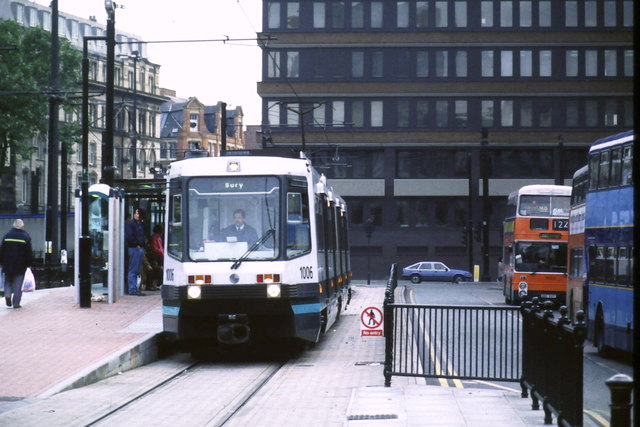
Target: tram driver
(239, 231)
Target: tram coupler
(233, 328)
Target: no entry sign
(371, 321)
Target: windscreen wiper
(253, 247)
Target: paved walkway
(50, 345)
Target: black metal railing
(552, 362)
(453, 342)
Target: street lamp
(107, 142)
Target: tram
(256, 247)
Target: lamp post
(107, 141)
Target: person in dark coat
(239, 231)
(15, 256)
(134, 237)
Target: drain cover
(372, 417)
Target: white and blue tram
(291, 280)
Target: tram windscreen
(540, 205)
(227, 216)
(541, 257)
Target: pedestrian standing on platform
(134, 236)
(15, 257)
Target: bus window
(627, 160)
(534, 205)
(616, 167)
(541, 256)
(603, 179)
(594, 162)
(539, 224)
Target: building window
(591, 113)
(486, 14)
(92, 154)
(628, 63)
(627, 13)
(610, 63)
(293, 15)
(422, 14)
(506, 13)
(194, 145)
(610, 13)
(526, 114)
(293, 116)
(442, 17)
(525, 14)
(402, 113)
(487, 63)
(460, 11)
(293, 64)
(377, 68)
(377, 114)
(526, 63)
(461, 63)
(402, 14)
(273, 65)
(590, 14)
(319, 118)
(486, 112)
(506, 113)
(422, 113)
(273, 15)
(546, 114)
(545, 63)
(544, 13)
(442, 63)
(442, 113)
(357, 14)
(357, 64)
(506, 63)
(338, 113)
(571, 14)
(611, 112)
(461, 113)
(319, 13)
(422, 64)
(572, 113)
(571, 63)
(591, 63)
(357, 113)
(337, 14)
(377, 17)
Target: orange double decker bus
(576, 267)
(535, 237)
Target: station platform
(51, 345)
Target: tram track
(209, 393)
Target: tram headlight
(194, 292)
(273, 290)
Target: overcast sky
(212, 72)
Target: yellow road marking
(597, 417)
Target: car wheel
(415, 278)
(457, 279)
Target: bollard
(620, 386)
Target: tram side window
(627, 160)
(174, 238)
(298, 230)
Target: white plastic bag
(29, 282)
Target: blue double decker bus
(609, 242)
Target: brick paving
(50, 339)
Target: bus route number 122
(306, 272)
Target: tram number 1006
(306, 272)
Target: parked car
(434, 271)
